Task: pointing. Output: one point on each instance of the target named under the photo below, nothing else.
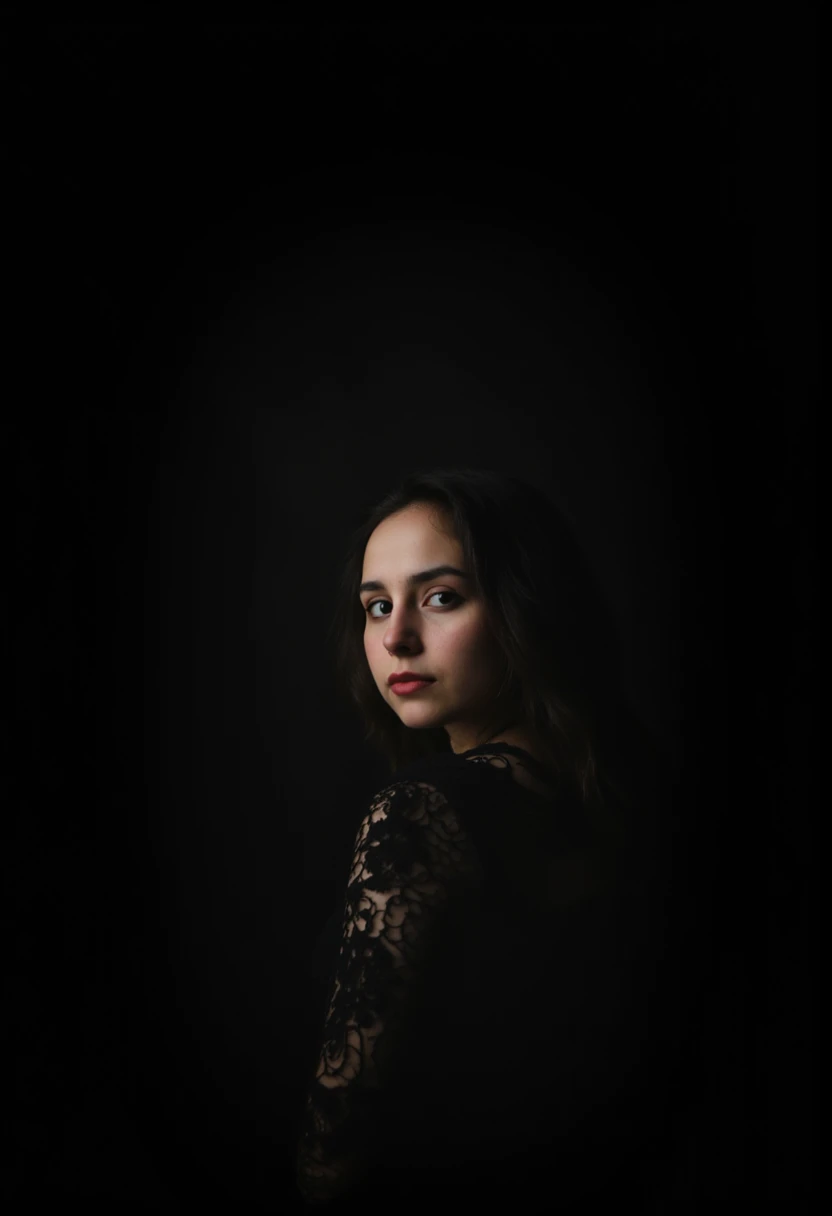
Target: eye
(451, 594)
(373, 603)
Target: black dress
(495, 1026)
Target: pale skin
(437, 627)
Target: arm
(409, 851)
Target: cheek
(374, 652)
(468, 641)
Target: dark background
(253, 274)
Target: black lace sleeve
(410, 852)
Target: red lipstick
(404, 682)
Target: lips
(407, 677)
(405, 687)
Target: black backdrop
(253, 274)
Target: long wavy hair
(551, 623)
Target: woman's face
(435, 627)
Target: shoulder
(411, 802)
(440, 787)
(413, 823)
(452, 773)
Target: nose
(401, 636)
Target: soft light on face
(435, 627)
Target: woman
(490, 1026)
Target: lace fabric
(441, 1041)
(410, 852)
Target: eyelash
(430, 597)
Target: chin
(415, 722)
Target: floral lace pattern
(484, 1006)
(409, 852)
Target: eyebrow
(413, 580)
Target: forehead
(420, 532)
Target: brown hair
(544, 608)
